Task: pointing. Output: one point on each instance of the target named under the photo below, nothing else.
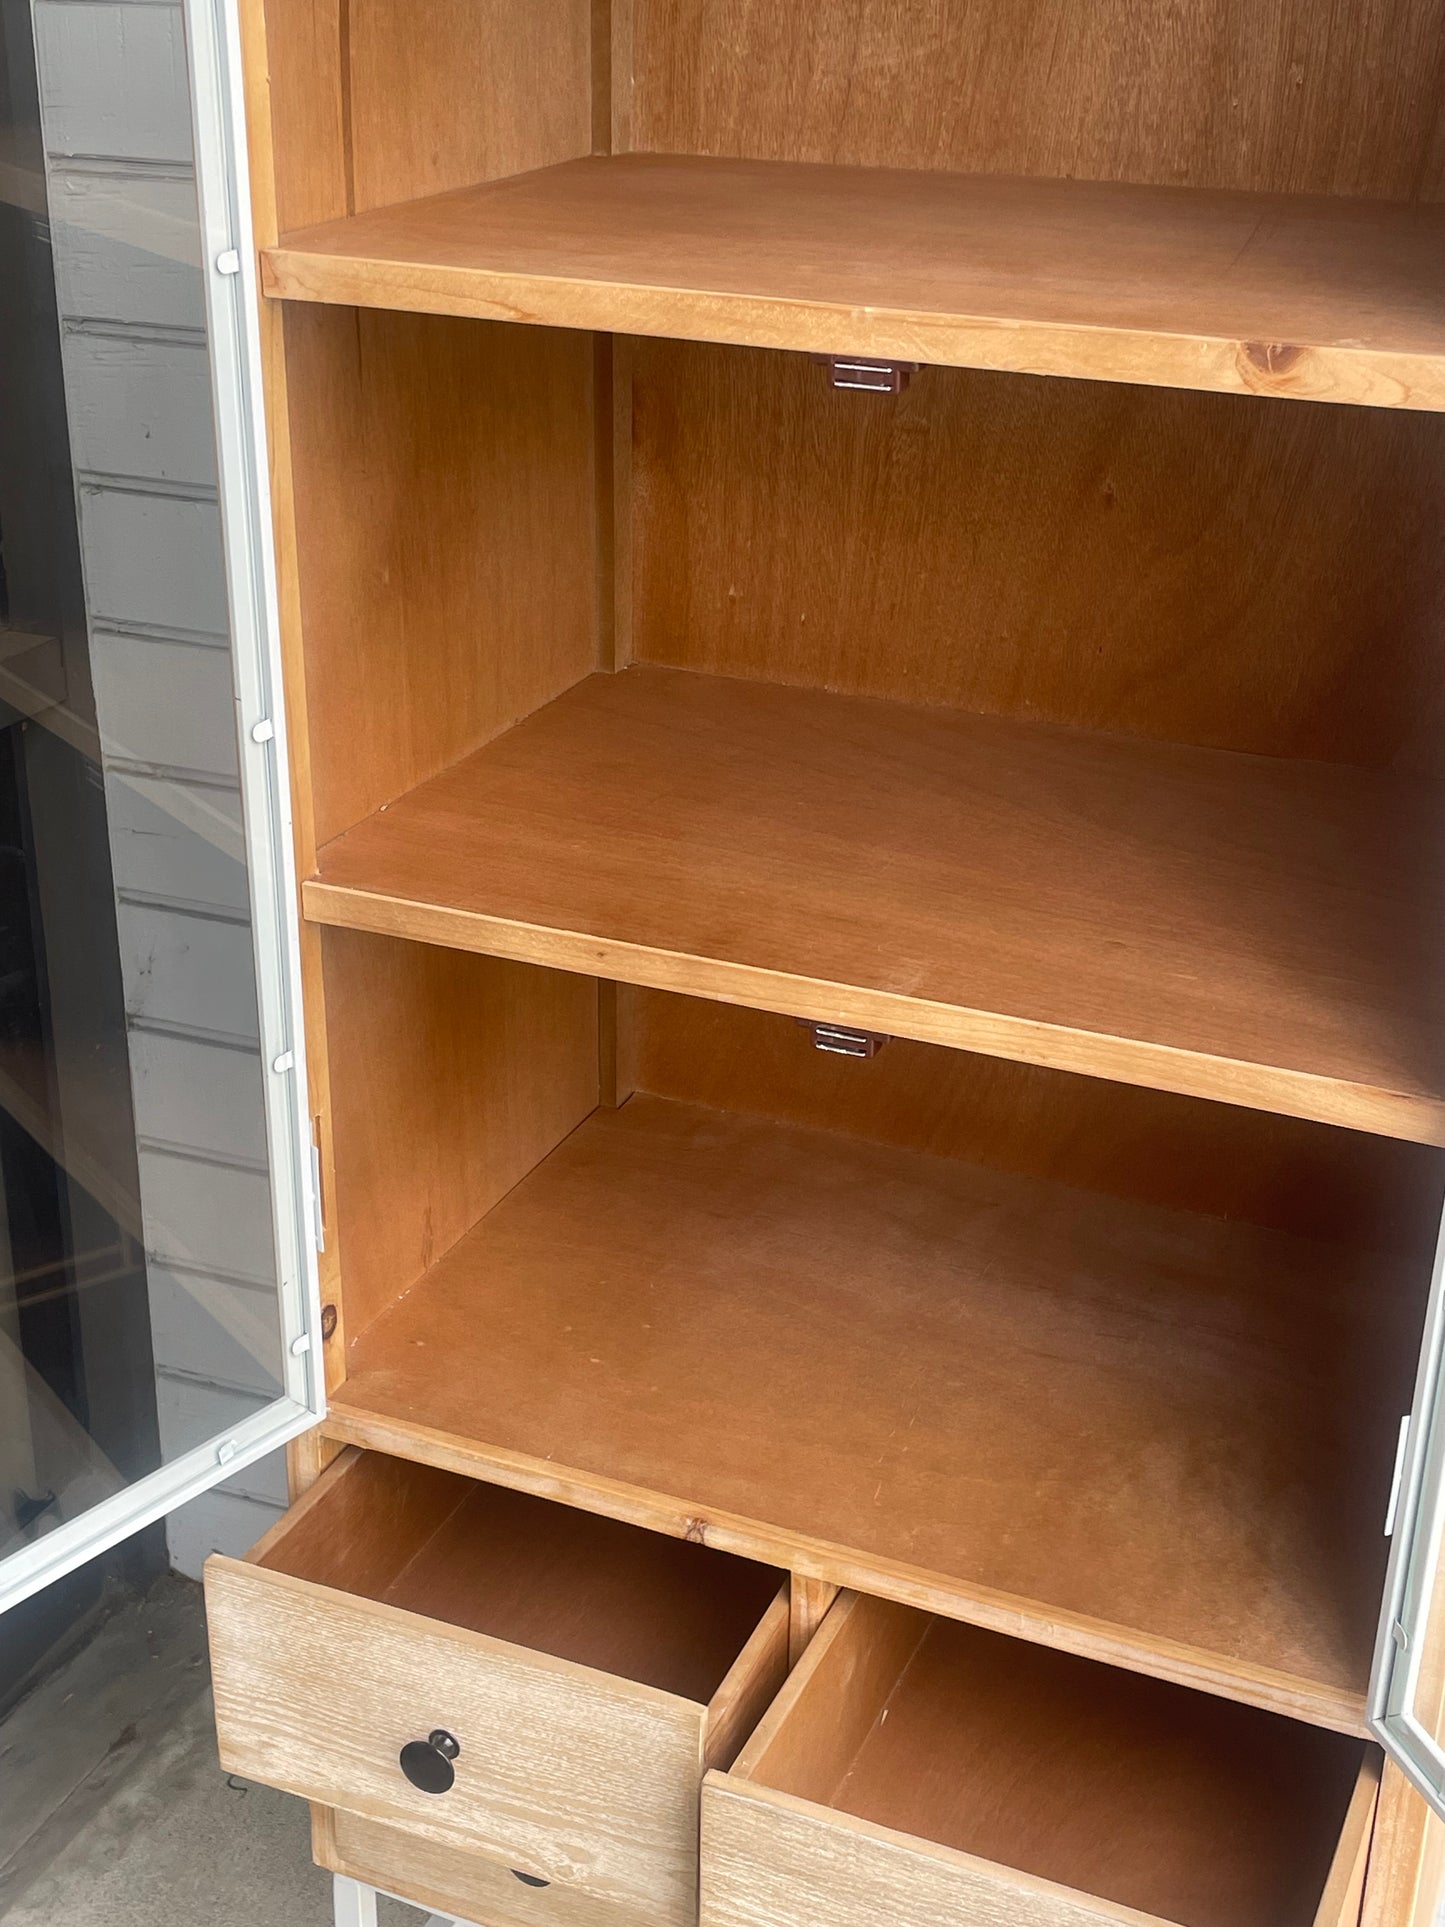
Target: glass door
(159, 1325)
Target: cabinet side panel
(1290, 96)
(452, 1075)
(445, 93)
(446, 523)
(1405, 1884)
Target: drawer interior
(1189, 1808)
(635, 1604)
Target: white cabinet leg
(354, 1905)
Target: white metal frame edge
(232, 298)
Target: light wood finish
(810, 1600)
(1226, 927)
(1187, 567)
(452, 1882)
(751, 1685)
(1310, 1179)
(995, 1782)
(1310, 297)
(1407, 1858)
(419, 73)
(666, 1319)
(452, 1076)
(560, 1649)
(1290, 96)
(434, 464)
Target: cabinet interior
(651, 691)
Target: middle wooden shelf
(1138, 1433)
(1227, 926)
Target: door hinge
(1399, 1479)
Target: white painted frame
(1417, 1529)
(232, 310)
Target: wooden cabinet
(863, 588)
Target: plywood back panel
(451, 1077)
(446, 539)
(1190, 567)
(446, 93)
(1288, 95)
(1147, 1145)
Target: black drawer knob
(529, 1879)
(428, 1763)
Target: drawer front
(467, 1886)
(584, 1780)
(772, 1861)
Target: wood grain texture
(1309, 297)
(663, 1322)
(445, 93)
(455, 1882)
(1315, 1180)
(1405, 1879)
(451, 1076)
(1291, 97)
(580, 1779)
(1180, 566)
(601, 1594)
(1059, 1783)
(808, 1605)
(433, 466)
(751, 1686)
(1245, 929)
(296, 85)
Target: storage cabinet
(862, 588)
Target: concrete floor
(115, 1812)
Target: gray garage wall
(117, 133)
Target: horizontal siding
(193, 1413)
(203, 1095)
(188, 972)
(220, 1521)
(217, 1330)
(115, 80)
(153, 561)
(207, 1217)
(178, 840)
(127, 248)
(169, 704)
(139, 405)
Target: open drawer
(925, 1773)
(495, 1673)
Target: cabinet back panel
(446, 533)
(1309, 96)
(1190, 567)
(451, 1077)
(1309, 1179)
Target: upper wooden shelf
(1227, 926)
(1310, 296)
(1157, 1439)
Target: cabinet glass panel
(141, 1259)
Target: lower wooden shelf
(1226, 926)
(1154, 1438)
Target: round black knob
(529, 1879)
(428, 1763)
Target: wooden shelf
(1226, 926)
(1317, 297)
(1141, 1435)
